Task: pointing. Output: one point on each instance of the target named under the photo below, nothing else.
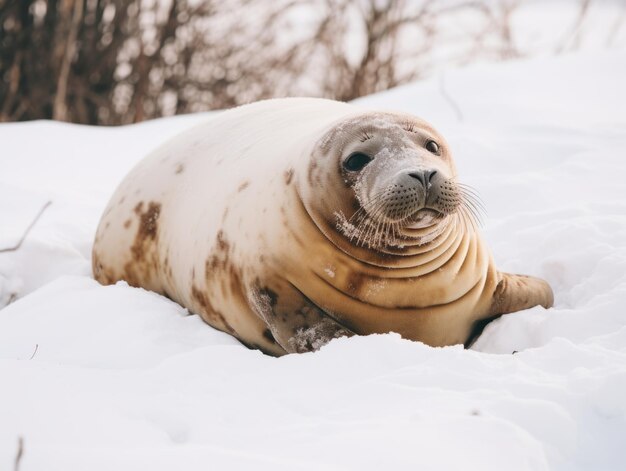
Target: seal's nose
(423, 176)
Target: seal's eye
(433, 147)
(357, 161)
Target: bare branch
(35, 352)
(571, 39)
(28, 229)
(448, 98)
(19, 454)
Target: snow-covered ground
(117, 378)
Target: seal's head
(385, 175)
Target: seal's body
(291, 222)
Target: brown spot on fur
(355, 281)
(101, 273)
(222, 243)
(148, 223)
(219, 258)
(127, 224)
(121, 201)
(267, 334)
(304, 310)
(288, 176)
(218, 267)
(179, 169)
(212, 314)
(144, 260)
(211, 264)
(96, 265)
(200, 297)
(243, 186)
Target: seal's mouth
(426, 212)
(424, 217)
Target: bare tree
(123, 61)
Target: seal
(290, 222)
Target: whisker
(475, 202)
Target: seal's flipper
(513, 293)
(297, 324)
(518, 292)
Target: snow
(120, 378)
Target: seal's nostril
(418, 176)
(424, 177)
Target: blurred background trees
(123, 61)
